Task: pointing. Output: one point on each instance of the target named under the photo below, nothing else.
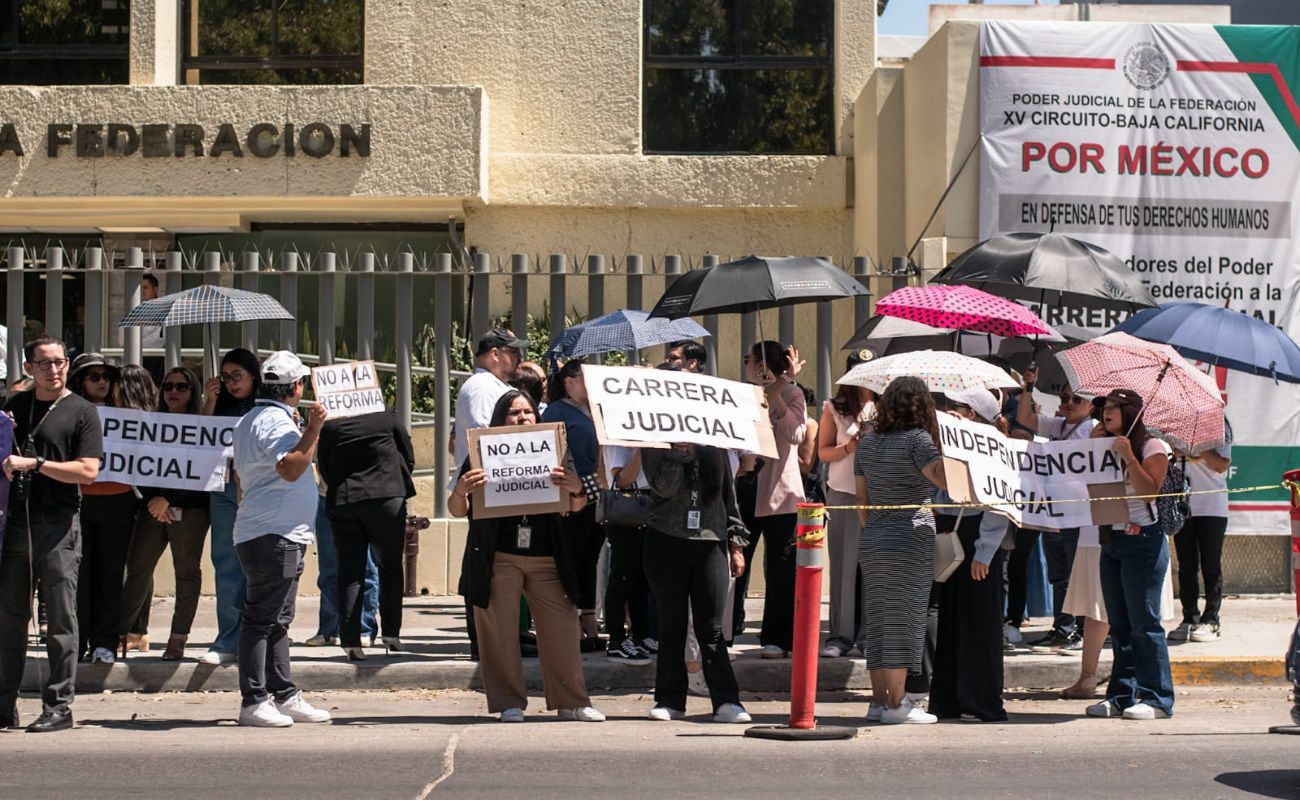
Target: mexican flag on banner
(1176, 147)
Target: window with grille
(274, 41)
(54, 42)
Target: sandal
(175, 647)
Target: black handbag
(628, 508)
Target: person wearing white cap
(274, 525)
(967, 679)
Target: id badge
(693, 519)
(524, 537)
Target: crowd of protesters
(676, 580)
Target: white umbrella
(942, 370)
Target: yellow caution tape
(917, 506)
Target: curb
(1231, 670)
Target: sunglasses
(232, 377)
(97, 377)
(1069, 399)
(176, 387)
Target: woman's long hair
(136, 389)
(712, 462)
(1134, 428)
(502, 408)
(773, 356)
(192, 407)
(907, 404)
(78, 385)
(848, 401)
(555, 388)
(227, 403)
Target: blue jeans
(328, 578)
(1132, 577)
(226, 570)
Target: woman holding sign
(523, 555)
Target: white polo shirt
(271, 504)
(475, 401)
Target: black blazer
(367, 457)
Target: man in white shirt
(1076, 422)
(497, 357)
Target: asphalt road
(423, 744)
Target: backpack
(1172, 511)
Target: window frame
(736, 62)
(18, 51)
(275, 61)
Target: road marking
(448, 767)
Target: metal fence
(463, 294)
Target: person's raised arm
(294, 463)
(1025, 414)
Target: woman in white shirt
(1200, 543)
(1134, 559)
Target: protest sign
(635, 407)
(984, 466)
(1176, 147)
(348, 390)
(168, 451)
(518, 461)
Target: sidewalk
(1256, 630)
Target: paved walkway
(1256, 630)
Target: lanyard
(31, 416)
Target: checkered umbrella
(205, 303)
(621, 331)
(1181, 403)
(942, 371)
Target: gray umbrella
(205, 303)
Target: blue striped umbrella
(205, 303)
(621, 331)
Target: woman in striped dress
(897, 463)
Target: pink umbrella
(1181, 403)
(962, 308)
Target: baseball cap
(500, 337)
(1124, 397)
(283, 367)
(980, 400)
(859, 357)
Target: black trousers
(272, 566)
(106, 525)
(56, 568)
(746, 498)
(1018, 575)
(919, 682)
(628, 586)
(967, 675)
(694, 574)
(1058, 550)
(588, 539)
(1200, 549)
(778, 572)
(377, 526)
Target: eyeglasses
(175, 387)
(233, 377)
(48, 364)
(97, 377)
(1068, 399)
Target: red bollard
(1292, 481)
(810, 559)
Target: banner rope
(917, 506)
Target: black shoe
(52, 721)
(627, 653)
(9, 719)
(650, 645)
(1049, 643)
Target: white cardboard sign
(348, 390)
(518, 462)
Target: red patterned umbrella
(1181, 403)
(962, 308)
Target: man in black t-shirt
(57, 447)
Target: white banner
(638, 407)
(1174, 147)
(999, 469)
(348, 390)
(168, 451)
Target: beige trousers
(558, 633)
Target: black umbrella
(753, 284)
(1049, 269)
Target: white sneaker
(772, 651)
(873, 712)
(1144, 711)
(583, 714)
(299, 710)
(1180, 633)
(1206, 632)
(696, 685)
(216, 658)
(665, 714)
(1105, 708)
(512, 715)
(832, 650)
(731, 713)
(908, 713)
(264, 715)
(917, 699)
(1012, 634)
(102, 655)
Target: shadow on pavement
(1279, 783)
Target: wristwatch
(40, 462)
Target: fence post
(248, 282)
(171, 284)
(480, 314)
(405, 335)
(559, 269)
(672, 269)
(711, 325)
(54, 291)
(519, 294)
(325, 307)
(785, 325)
(595, 292)
(14, 313)
(289, 299)
(441, 387)
(862, 303)
(365, 306)
(94, 300)
(824, 348)
(212, 330)
(635, 296)
(131, 296)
